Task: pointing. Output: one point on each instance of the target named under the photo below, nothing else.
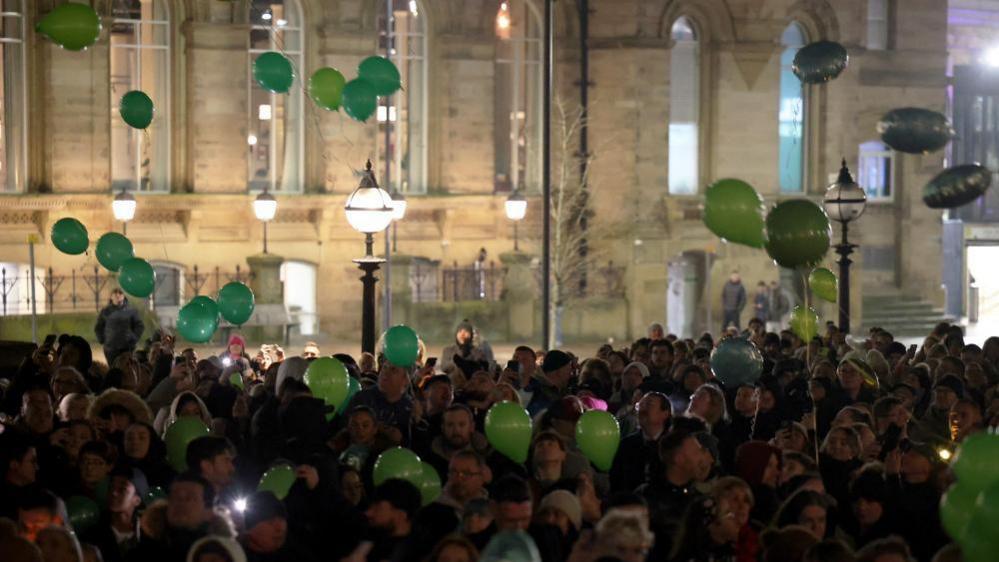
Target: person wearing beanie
(468, 346)
(552, 383)
(235, 351)
(265, 531)
(759, 463)
(561, 508)
(934, 426)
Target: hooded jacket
(125, 398)
(167, 416)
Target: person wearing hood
(216, 549)
(118, 327)
(185, 404)
(467, 345)
(934, 426)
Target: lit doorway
(299, 280)
(983, 278)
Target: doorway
(299, 280)
(983, 284)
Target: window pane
(12, 99)
(791, 115)
(402, 130)
(875, 170)
(877, 24)
(683, 109)
(140, 60)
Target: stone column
(519, 295)
(268, 293)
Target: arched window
(402, 117)
(876, 172)
(140, 60)
(877, 24)
(517, 98)
(276, 131)
(13, 109)
(791, 116)
(684, 82)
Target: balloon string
(808, 365)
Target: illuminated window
(13, 109)
(876, 171)
(877, 24)
(684, 81)
(791, 116)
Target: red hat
(236, 339)
(751, 460)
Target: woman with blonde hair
(623, 534)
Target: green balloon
(326, 88)
(736, 361)
(277, 480)
(980, 543)
(915, 130)
(154, 494)
(114, 249)
(509, 429)
(402, 346)
(381, 73)
(236, 302)
(83, 513)
(511, 546)
(198, 320)
(180, 433)
(72, 26)
(733, 210)
(136, 109)
(359, 100)
(274, 73)
(236, 380)
(70, 236)
(957, 186)
(820, 62)
(398, 463)
(429, 484)
(354, 388)
(137, 277)
(823, 284)
(976, 461)
(798, 233)
(956, 508)
(804, 323)
(327, 378)
(598, 436)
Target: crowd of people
(837, 453)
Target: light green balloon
(509, 429)
(429, 484)
(277, 480)
(598, 436)
(733, 211)
(804, 323)
(327, 378)
(398, 463)
(178, 436)
(823, 284)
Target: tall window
(13, 111)
(791, 114)
(684, 78)
(275, 136)
(140, 60)
(876, 170)
(877, 24)
(517, 98)
(402, 117)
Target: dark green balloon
(398, 463)
(798, 233)
(198, 320)
(976, 461)
(359, 100)
(733, 210)
(326, 88)
(273, 71)
(72, 26)
(236, 302)
(736, 361)
(83, 513)
(114, 249)
(915, 130)
(137, 277)
(820, 62)
(402, 346)
(956, 186)
(70, 236)
(136, 109)
(381, 73)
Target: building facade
(681, 93)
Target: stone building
(681, 93)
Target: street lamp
(516, 208)
(844, 202)
(369, 210)
(265, 207)
(123, 208)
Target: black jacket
(636, 459)
(119, 327)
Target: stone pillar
(268, 293)
(519, 294)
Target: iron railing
(479, 282)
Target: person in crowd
(552, 383)
(390, 401)
(733, 300)
(761, 302)
(265, 531)
(390, 515)
(119, 327)
(211, 457)
(468, 345)
(779, 305)
(638, 453)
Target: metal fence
(476, 283)
(88, 289)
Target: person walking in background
(780, 305)
(761, 302)
(118, 326)
(733, 300)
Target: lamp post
(369, 210)
(516, 208)
(265, 207)
(123, 207)
(844, 201)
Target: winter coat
(119, 327)
(162, 543)
(733, 296)
(779, 304)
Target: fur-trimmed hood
(234, 549)
(154, 522)
(125, 398)
(166, 417)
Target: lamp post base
(369, 265)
